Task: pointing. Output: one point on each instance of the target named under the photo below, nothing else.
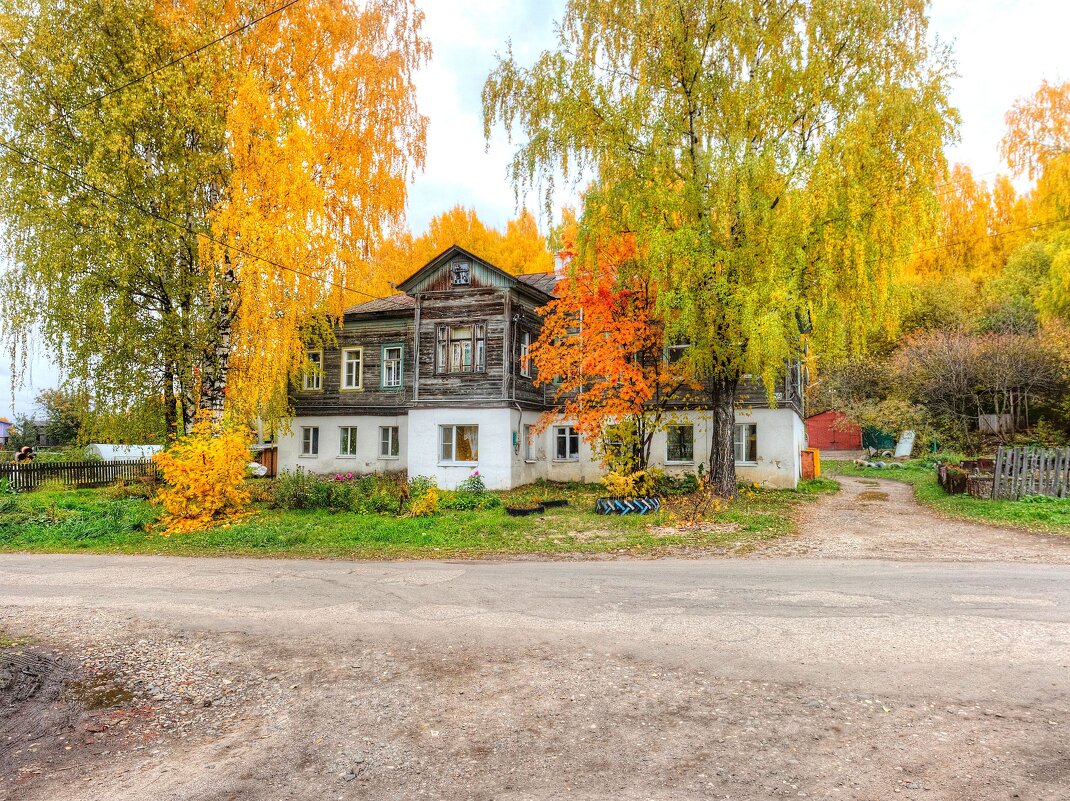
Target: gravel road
(254, 680)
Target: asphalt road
(974, 657)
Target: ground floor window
(347, 441)
(459, 444)
(567, 443)
(389, 442)
(746, 442)
(680, 443)
(310, 440)
(529, 445)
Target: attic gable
(456, 268)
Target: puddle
(872, 495)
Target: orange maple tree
(602, 347)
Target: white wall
(781, 436)
(367, 459)
(496, 455)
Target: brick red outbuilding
(829, 431)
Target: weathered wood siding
(371, 334)
(463, 307)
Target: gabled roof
(394, 303)
(442, 258)
(544, 282)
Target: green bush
(464, 501)
(370, 494)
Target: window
(353, 368)
(567, 443)
(680, 444)
(310, 441)
(347, 441)
(392, 367)
(389, 442)
(313, 378)
(459, 444)
(674, 353)
(746, 442)
(529, 446)
(525, 351)
(461, 348)
(461, 273)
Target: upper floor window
(461, 348)
(392, 378)
(677, 351)
(746, 443)
(461, 273)
(352, 368)
(680, 443)
(313, 377)
(525, 354)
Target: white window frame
(680, 461)
(345, 434)
(389, 439)
(400, 366)
(310, 442)
(345, 386)
(312, 380)
(525, 354)
(738, 442)
(676, 352)
(442, 444)
(571, 437)
(529, 444)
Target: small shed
(830, 431)
(121, 453)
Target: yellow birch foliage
(323, 137)
(204, 475)
(520, 249)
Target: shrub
(641, 483)
(369, 494)
(204, 475)
(464, 501)
(473, 485)
(426, 504)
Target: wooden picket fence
(1032, 471)
(76, 474)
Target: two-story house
(435, 381)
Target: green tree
(63, 412)
(774, 161)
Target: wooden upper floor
(458, 334)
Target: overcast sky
(1004, 48)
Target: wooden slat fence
(1032, 471)
(75, 474)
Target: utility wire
(122, 87)
(185, 228)
(180, 59)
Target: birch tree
(774, 159)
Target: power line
(180, 59)
(185, 228)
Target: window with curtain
(459, 444)
(746, 443)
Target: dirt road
(878, 519)
(763, 678)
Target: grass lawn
(71, 521)
(1050, 516)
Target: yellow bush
(425, 505)
(640, 483)
(204, 476)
